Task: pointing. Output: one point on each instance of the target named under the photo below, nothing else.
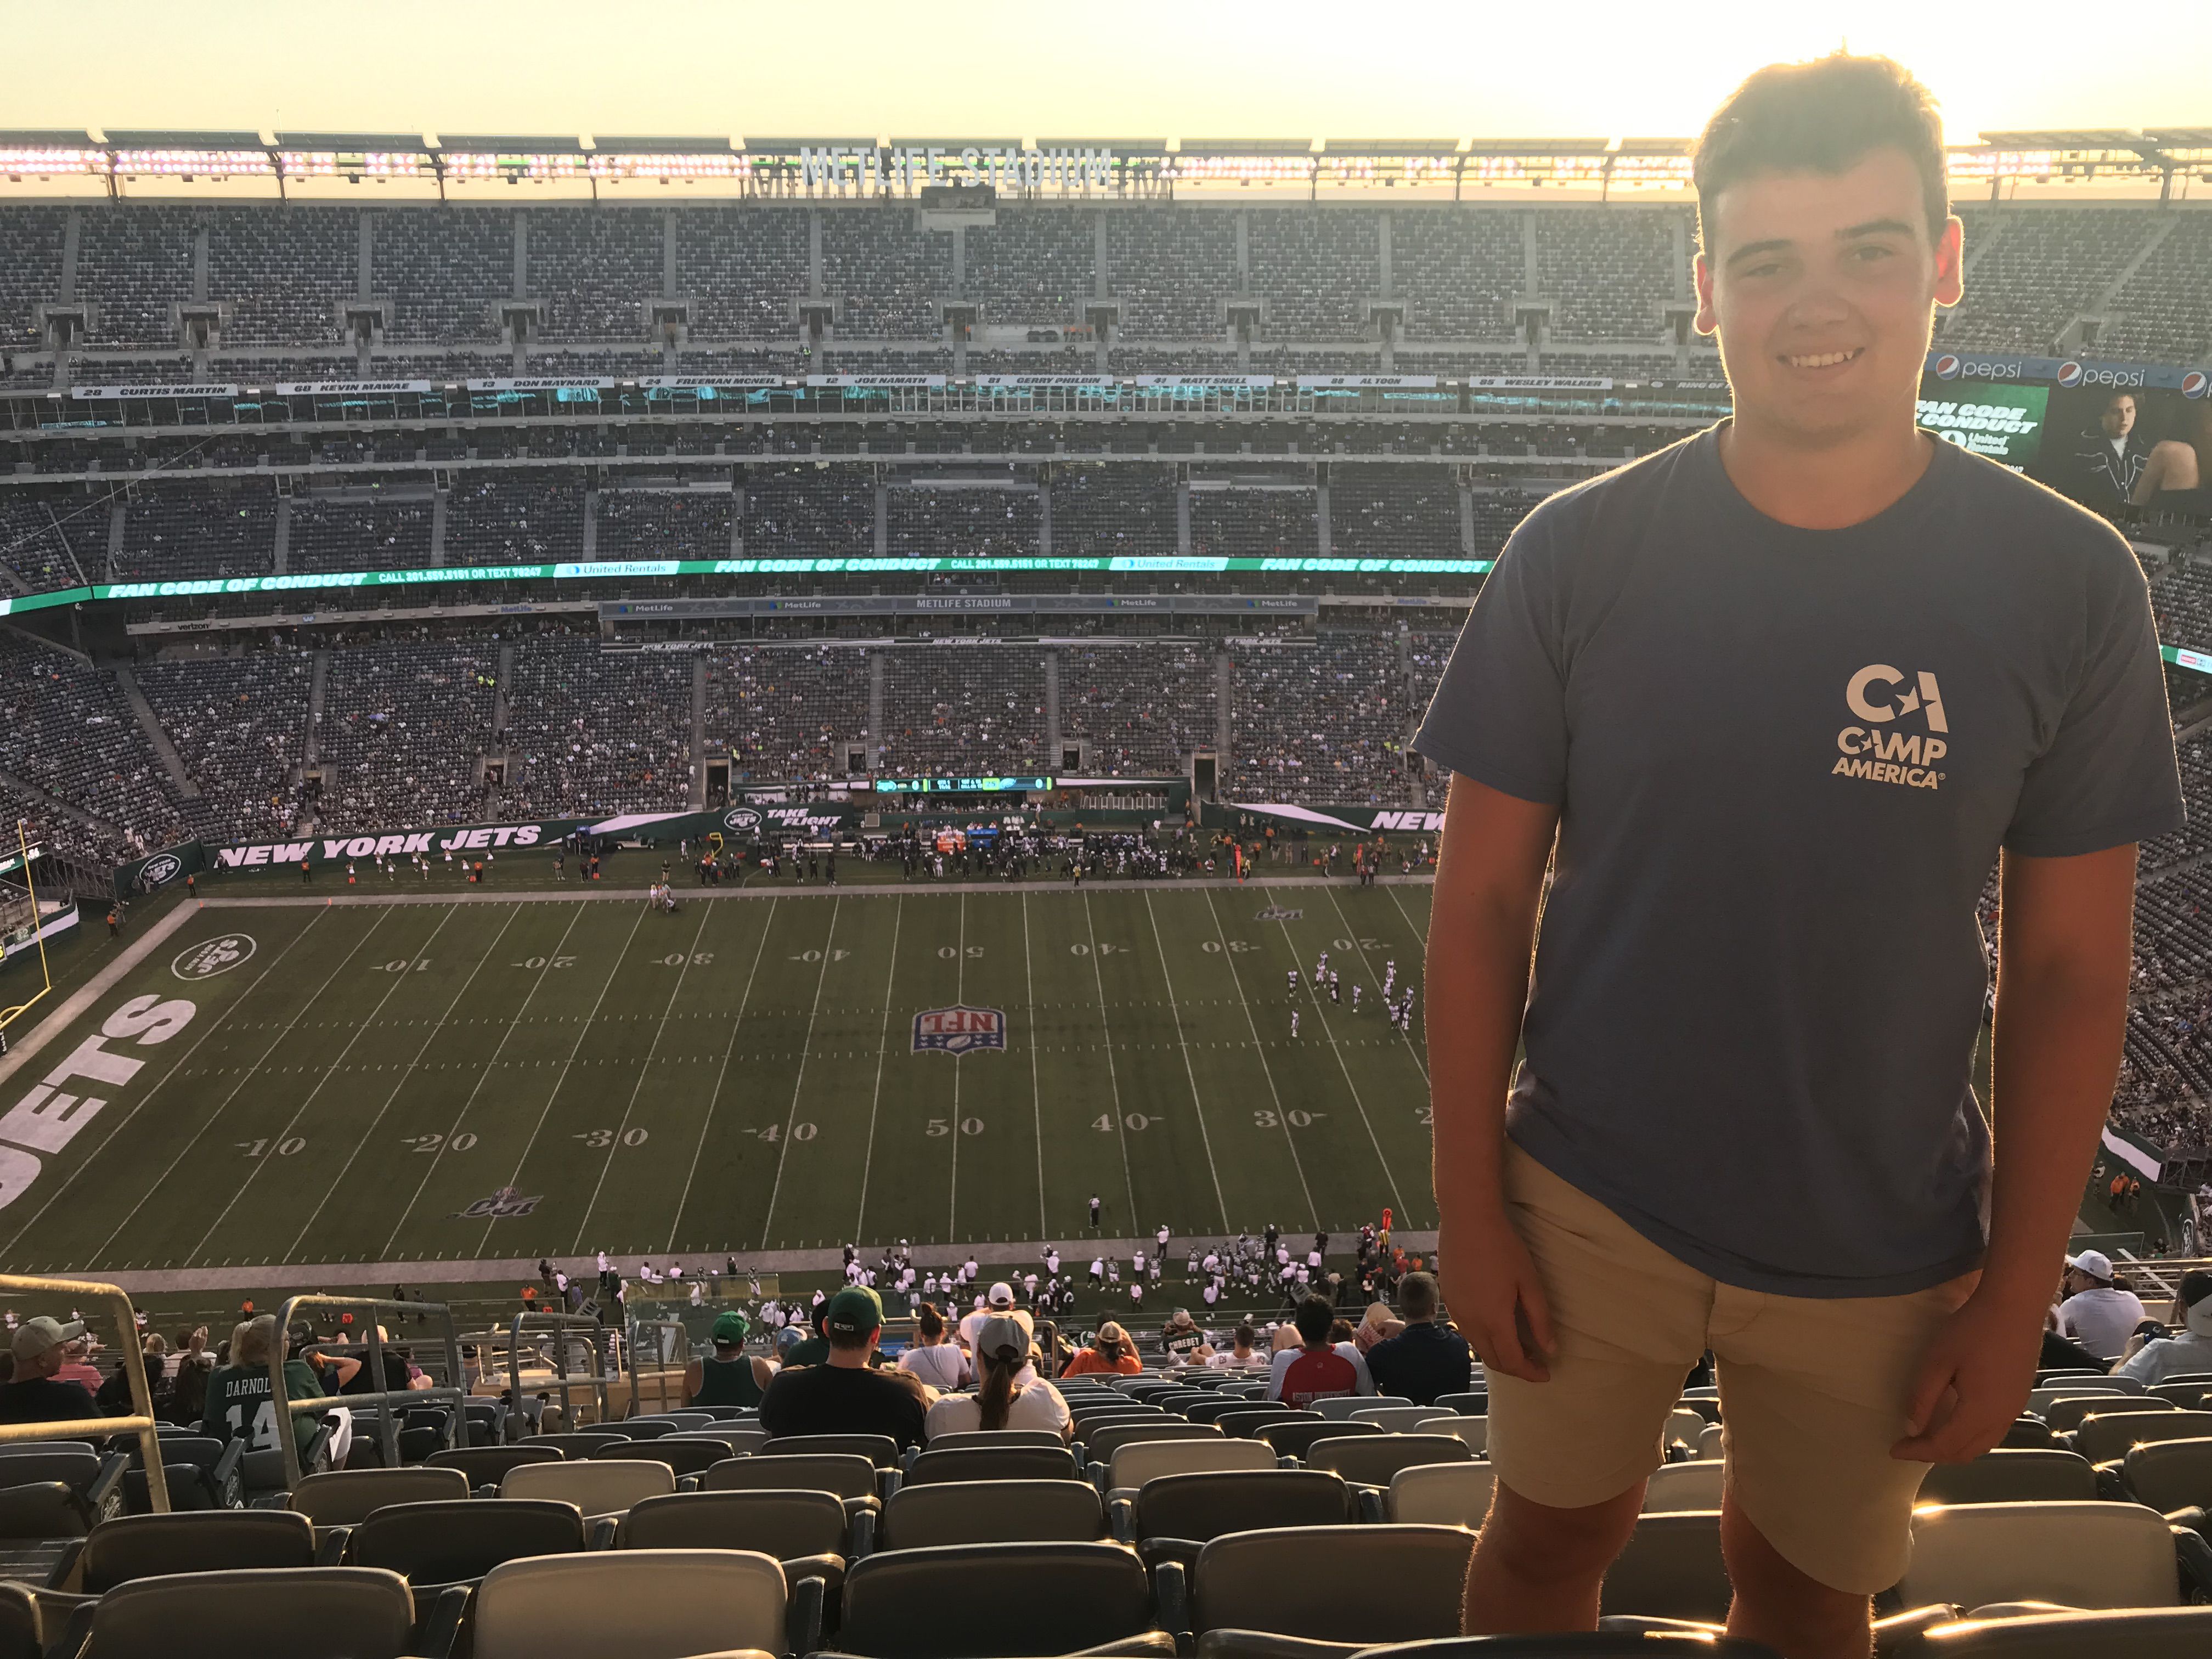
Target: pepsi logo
(1948, 366)
(2069, 373)
(2193, 384)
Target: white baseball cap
(2095, 1263)
(1002, 1295)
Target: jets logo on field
(212, 956)
(505, 1205)
(1276, 913)
(741, 818)
(959, 1029)
(163, 867)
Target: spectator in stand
(844, 1395)
(937, 1362)
(33, 1392)
(1001, 1300)
(1003, 1400)
(2152, 1360)
(1316, 1370)
(239, 1394)
(1110, 1353)
(1181, 1337)
(2097, 1314)
(188, 1399)
(730, 1377)
(812, 1350)
(113, 1395)
(1244, 1357)
(1424, 1360)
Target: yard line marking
(1353, 932)
(1282, 1117)
(1037, 1097)
(1169, 978)
(329, 1071)
(406, 1072)
(800, 1081)
(883, 1048)
(117, 1128)
(560, 1082)
(1321, 1008)
(477, 1088)
(636, 1088)
(959, 995)
(1105, 1026)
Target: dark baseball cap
(854, 1311)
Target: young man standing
(1782, 692)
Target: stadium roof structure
(613, 145)
(352, 143)
(509, 144)
(206, 143)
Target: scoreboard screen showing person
(2002, 422)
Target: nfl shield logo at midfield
(959, 1029)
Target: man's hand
(1972, 1382)
(1496, 1299)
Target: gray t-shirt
(1786, 760)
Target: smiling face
(1821, 287)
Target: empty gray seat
(991, 1512)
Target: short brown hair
(1822, 117)
(1417, 1296)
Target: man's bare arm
(1490, 878)
(2063, 948)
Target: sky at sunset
(858, 68)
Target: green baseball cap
(854, 1311)
(731, 1326)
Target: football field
(284, 1082)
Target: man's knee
(1772, 1591)
(1537, 1543)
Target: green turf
(740, 1077)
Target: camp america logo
(959, 1029)
(1881, 750)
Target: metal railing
(640, 1342)
(566, 1328)
(387, 1401)
(141, 1422)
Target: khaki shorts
(1813, 1389)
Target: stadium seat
(1394, 1419)
(2084, 1555)
(1296, 1437)
(995, 1512)
(641, 1428)
(1372, 1460)
(878, 1448)
(1671, 1569)
(2011, 1477)
(1244, 1423)
(22, 1624)
(993, 1463)
(1212, 1411)
(999, 1600)
(1102, 1443)
(1475, 1430)
(1351, 1404)
(641, 1604)
(1441, 1494)
(808, 1532)
(737, 1439)
(2154, 1633)
(1474, 1404)
(151, 1545)
(57, 1489)
(1684, 1428)
(1174, 1514)
(2190, 1396)
(200, 1472)
(846, 1473)
(1675, 1486)
(597, 1487)
(1138, 1462)
(1706, 1406)
(2064, 1410)
(960, 1439)
(486, 1466)
(1711, 1441)
(460, 1541)
(342, 1497)
(272, 1612)
(2104, 1436)
(2031, 1434)
(577, 1443)
(682, 1454)
(1278, 1592)
(1625, 1644)
(2173, 1477)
